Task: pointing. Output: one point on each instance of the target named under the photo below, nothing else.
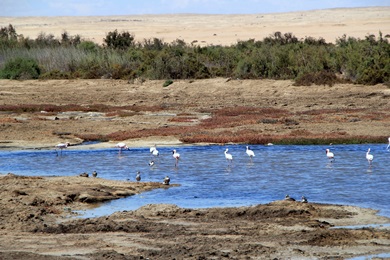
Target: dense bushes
(20, 68)
(279, 56)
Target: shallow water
(207, 180)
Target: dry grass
(239, 116)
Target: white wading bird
(330, 155)
(176, 156)
(228, 156)
(121, 146)
(62, 146)
(250, 153)
(369, 156)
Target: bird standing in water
(62, 146)
(228, 156)
(121, 146)
(154, 151)
(369, 156)
(250, 153)
(388, 146)
(330, 155)
(176, 155)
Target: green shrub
(280, 56)
(56, 74)
(167, 83)
(20, 68)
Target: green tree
(117, 40)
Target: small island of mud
(38, 222)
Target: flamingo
(62, 146)
(228, 156)
(152, 148)
(250, 153)
(121, 146)
(176, 156)
(388, 146)
(330, 155)
(138, 176)
(369, 156)
(154, 152)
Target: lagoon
(207, 180)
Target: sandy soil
(36, 223)
(213, 29)
(36, 219)
(343, 109)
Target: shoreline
(279, 229)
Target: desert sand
(37, 217)
(213, 29)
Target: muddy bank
(37, 223)
(192, 111)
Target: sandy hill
(214, 29)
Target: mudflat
(146, 113)
(37, 222)
(37, 213)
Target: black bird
(138, 176)
(84, 174)
(287, 197)
(166, 180)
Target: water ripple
(207, 180)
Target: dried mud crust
(37, 223)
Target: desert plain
(36, 220)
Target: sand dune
(214, 29)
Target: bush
(167, 83)
(118, 40)
(280, 56)
(317, 78)
(20, 68)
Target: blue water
(207, 180)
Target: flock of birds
(369, 156)
(331, 156)
(303, 199)
(229, 158)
